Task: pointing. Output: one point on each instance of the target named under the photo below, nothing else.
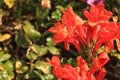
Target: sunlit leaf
(9, 69)
(1, 66)
(5, 37)
(8, 63)
(49, 41)
(4, 56)
(53, 50)
(32, 56)
(56, 14)
(43, 66)
(49, 77)
(59, 7)
(9, 3)
(4, 75)
(41, 50)
(30, 31)
(115, 54)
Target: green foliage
(6, 73)
(30, 31)
(21, 39)
(115, 54)
(56, 14)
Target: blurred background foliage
(25, 42)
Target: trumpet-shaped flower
(65, 72)
(97, 14)
(82, 71)
(64, 31)
(89, 36)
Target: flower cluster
(91, 34)
(82, 71)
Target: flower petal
(101, 74)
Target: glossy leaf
(4, 56)
(43, 66)
(71, 61)
(30, 31)
(31, 55)
(53, 50)
(49, 41)
(56, 14)
(49, 77)
(6, 73)
(115, 54)
(41, 50)
(9, 3)
(9, 69)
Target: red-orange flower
(98, 64)
(99, 30)
(90, 35)
(60, 32)
(65, 72)
(57, 68)
(98, 14)
(82, 71)
(82, 67)
(106, 35)
(64, 31)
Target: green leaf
(41, 14)
(64, 60)
(6, 70)
(49, 41)
(31, 55)
(56, 14)
(9, 69)
(4, 56)
(39, 75)
(30, 31)
(4, 75)
(59, 7)
(43, 66)
(45, 13)
(38, 12)
(21, 39)
(115, 54)
(41, 50)
(48, 77)
(8, 63)
(101, 49)
(53, 50)
(72, 62)
(1, 66)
